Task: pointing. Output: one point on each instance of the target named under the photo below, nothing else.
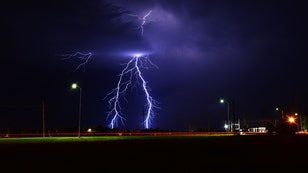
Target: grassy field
(173, 153)
(64, 139)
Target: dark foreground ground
(216, 154)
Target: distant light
(222, 101)
(226, 126)
(291, 119)
(277, 109)
(89, 130)
(74, 86)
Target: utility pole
(208, 122)
(79, 119)
(233, 126)
(43, 118)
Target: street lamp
(75, 86)
(277, 109)
(228, 109)
(300, 126)
(291, 120)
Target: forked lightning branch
(134, 73)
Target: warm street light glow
(291, 119)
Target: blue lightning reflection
(132, 70)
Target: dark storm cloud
(190, 31)
(167, 31)
(197, 28)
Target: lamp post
(228, 118)
(277, 109)
(300, 126)
(75, 86)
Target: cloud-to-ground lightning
(132, 69)
(130, 72)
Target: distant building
(234, 126)
(258, 129)
(259, 125)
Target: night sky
(250, 52)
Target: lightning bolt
(151, 103)
(132, 70)
(143, 20)
(82, 58)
